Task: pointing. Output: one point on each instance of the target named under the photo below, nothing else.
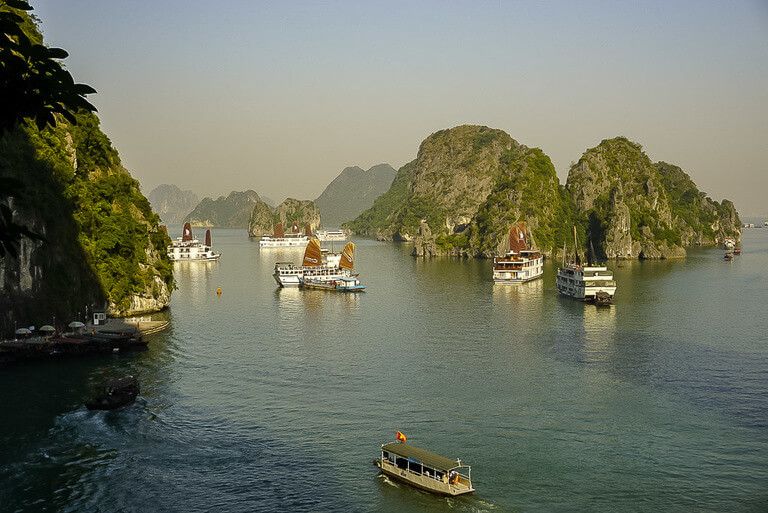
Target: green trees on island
(75, 230)
(33, 86)
(468, 184)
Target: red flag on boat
(400, 437)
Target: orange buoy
(218, 291)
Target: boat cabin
(425, 470)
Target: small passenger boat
(341, 284)
(425, 470)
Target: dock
(111, 336)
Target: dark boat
(118, 392)
(602, 299)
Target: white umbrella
(76, 324)
(47, 327)
(23, 331)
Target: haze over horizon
(280, 98)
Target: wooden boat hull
(421, 482)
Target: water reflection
(599, 332)
(196, 275)
(529, 294)
(294, 299)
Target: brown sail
(208, 237)
(348, 256)
(518, 237)
(313, 256)
(279, 231)
(308, 231)
(186, 235)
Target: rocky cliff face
(700, 220)
(633, 208)
(232, 211)
(103, 245)
(291, 212)
(353, 191)
(262, 220)
(466, 187)
(171, 203)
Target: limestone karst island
(496, 256)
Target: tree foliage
(34, 86)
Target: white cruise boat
(280, 239)
(592, 283)
(331, 235)
(520, 263)
(188, 249)
(317, 265)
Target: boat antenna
(576, 246)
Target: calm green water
(277, 400)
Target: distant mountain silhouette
(171, 203)
(352, 192)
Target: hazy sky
(280, 96)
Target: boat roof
(429, 459)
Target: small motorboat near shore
(423, 469)
(118, 392)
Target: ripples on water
(276, 400)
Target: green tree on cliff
(34, 86)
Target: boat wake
(388, 481)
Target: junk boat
(317, 265)
(425, 470)
(331, 235)
(280, 239)
(590, 283)
(520, 263)
(343, 284)
(188, 249)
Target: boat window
(414, 466)
(429, 471)
(401, 463)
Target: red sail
(518, 237)
(347, 260)
(186, 235)
(279, 231)
(295, 228)
(208, 238)
(313, 255)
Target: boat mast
(576, 245)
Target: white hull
(289, 275)
(283, 242)
(519, 277)
(203, 258)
